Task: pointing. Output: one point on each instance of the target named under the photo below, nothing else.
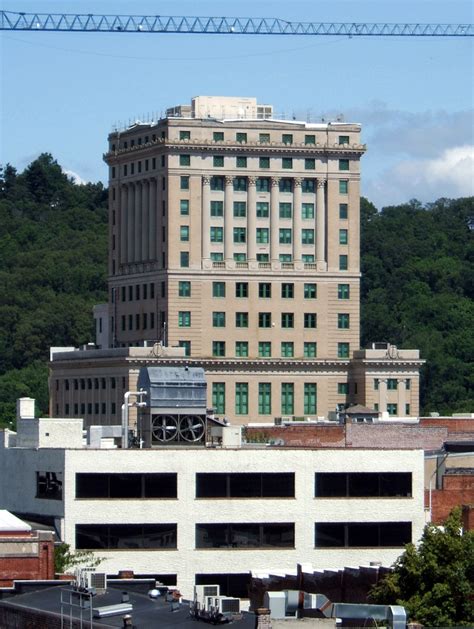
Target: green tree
(434, 581)
(66, 560)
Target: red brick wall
(453, 425)
(28, 567)
(457, 490)
(301, 435)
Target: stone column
(145, 219)
(252, 219)
(321, 226)
(206, 218)
(297, 220)
(228, 218)
(382, 395)
(274, 219)
(131, 223)
(137, 252)
(123, 223)
(152, 220)
(401, 400)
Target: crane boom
(16, 21)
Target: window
(408, 384)
(309, 398)
(287, 162)
(217, 234)
(287, 291)
(241, 161)
(363, 485)
(264, 349)
(262, 209)
(187, 347)
(240, 209)
(264, 398)
(285, 257)
(343, 239)
(184, 259)
(136, 536)
(184, 289)
(218, 161)
(264, 162)
(343, 320)
(287, 320)
(343, 186)
(286, 185)
(392, 384)
(343, 388)
(264, 319)
(218, 319)
(264, 290)
(218, 398)
(241, 398)
(241, 319)
(308, 185)
(343, 210)
(310, 139)
(307, 210)
(240, 234)
(134, 485)
(343, 291)
(217, 209)
(310, 291)
(287, 349)
(245, 485)
(218, 136)
(240, 184)
(309, 163)
(407, 409)
(218, 348)
(285, 210)
(363, 534)
(185, 160)
(263, 257)
(218, 289)
(285, 236)
(343, 164)
(241, 349)
(184, 182)
(307, 236)
(264, 138)
(263, 184)
(49, 485)
(184, 233)
(217, 183)
(263, 235)
(241, 289)
(309, 349)
(287, 398)
(255, 535)
(184, 319)
(343, 262)
(376, 384)
(310, 319)
(392, 409)
(343, 139)
(287, 138)
(185, 135)
(343, 350)
(241, 137)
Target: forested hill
(417, 286)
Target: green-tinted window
(241, 289)
(309, 398)
(309, 163)
(343, 207)
(287, 349)
(392, 384)
(184, 207)
(308, 185)
(307, 236)
(264, 349)
(184, 233)
(184, 182)
(265, 290)
(309, 349)
(287, 398)
(184, 319)
(376, 384)
(264, 398)
(184, 259)
(218, 319)
(343, 321)
(185, 160)
(343, 186)
(264, 319)
(241, 319)
(241, 398)
(240, 234)
(285, 257)
(343, 350)
(263, 184)
(408, 384)
(285, 210)
(263, 235)
(218, 397)
(240, 184)
(392, 409)
(285, 236)
(218, 348)
(217, 183)
(263, 257)
(310, 139)
(310, 291)
(287, 162)
(286, 185)
(343, 262)
(184, 289)
(407, 409)
(217, 208)
(264, 162)
(241, 137)
(343, 164)
(217, 234)
(241, 161)
(307, 258)
(218, 161)
(287, 320)
(264, 138)
(185, 135)
(343, 388)
(343, 291)
(240, 209)
(287, 290)
(218, 136)
(343, 236)
(343, 139)
(241, 349)
(287, 138)
(310, 320)
(217, 256)
(218, 289)
(307, 210)
(262, 209)
(187, 347)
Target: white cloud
(75, 177)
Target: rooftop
(10, 523)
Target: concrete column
(297, 220)
(274, 219)
(321, 226)
(206, 218)
(123, 223)
(131, 223)
(152, 210)
(228, 218)
(145, 218)
(401, 400)
(252, 219)
(382, 395)
(137, 252)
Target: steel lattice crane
(40, 22)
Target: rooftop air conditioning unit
(203, 591)
(228, 605)
(97, 580)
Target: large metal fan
(191, 428)
(164, 427)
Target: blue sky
(63, 92)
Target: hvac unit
(97, 580)
(203, 591)
(228, 605)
